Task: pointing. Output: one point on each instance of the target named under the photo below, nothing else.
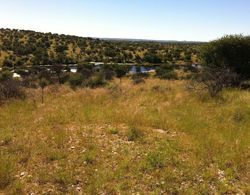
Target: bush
(166, 72)
(155, 159)
(11, 89)
(226, 63)
(90, 157)
(230, 53)
(64, 77)
(215, 80)
(109, 74)
(76, 80)
(120, 71)
(134, 134)
(96, 81)
(108, 71)
(86, 70)
(5, 75)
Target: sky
(190, 20)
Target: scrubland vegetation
(22, 48)
(102, 131)
(156, 137)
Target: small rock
(23, 174)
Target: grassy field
(153, 138)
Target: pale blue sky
(199, 20)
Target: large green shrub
(230, 52)
(226, 63)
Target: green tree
(120, 71)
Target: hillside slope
(21, 47)
(126, 139)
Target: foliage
(86, 70)
(11, 89)
(152, 58)
(43, 82)
(230, 53)
(166, 72)
(24, 48)
(226, 63)
(120, 71)
(97, 80)
(216, 79)
(5, 75)
(134, 134)
(155, 159)
(76, 80)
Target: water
(141, 69)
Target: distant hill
(25, 47)
(151, 40)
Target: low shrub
(95, 81)
(114, 131)
(155, 159)
(11, 89)
(134, 134)
(76, 80)
(90, 157)
(5, 75)
(64, 77)
(166, 72)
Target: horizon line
(108, 38)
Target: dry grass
(154, 138)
